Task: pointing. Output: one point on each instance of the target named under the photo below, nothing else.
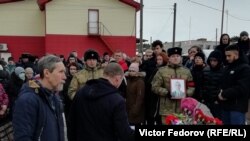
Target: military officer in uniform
(92, 71)
(161, 82)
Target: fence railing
(97, 28)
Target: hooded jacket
(212, 79)
(244, 46)
(221, 48)
(35, 117)
(98, 113)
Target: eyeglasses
(148, 55)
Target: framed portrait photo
(177, 88)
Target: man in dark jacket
(38, 109)
(244, 43)
(244, 46)
(235, 87)
(211, 81)
(98, 112)
(149, 67)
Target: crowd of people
(101, 97)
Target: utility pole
(222, 18)
(141, 27)
(227, 21)
(216, 36)
(174, 24)
(189, 29)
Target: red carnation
(218, 121)
(169, 119)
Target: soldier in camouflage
(92, 71)
(161, 82)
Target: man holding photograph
(161, 82)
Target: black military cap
(174, 50)
(91, 54)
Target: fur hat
(174, 50)
(200, 54)
(19, 70)
(91, 54)
(134, 67)
(25, 56)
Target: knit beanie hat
(134, 67)
(200, 54)
(243, 33)
(19, 70)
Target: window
(93, 23)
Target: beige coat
(80, 78)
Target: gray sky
(193, 20)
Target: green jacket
(161, 86)
(80, 78)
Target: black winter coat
(197, 73)
(236, 86)
(98, 113)
(221, 48)
(244, 47)
(211, 84)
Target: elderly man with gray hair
(38, 109)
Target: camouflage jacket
(80, 78)
(161, 86)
